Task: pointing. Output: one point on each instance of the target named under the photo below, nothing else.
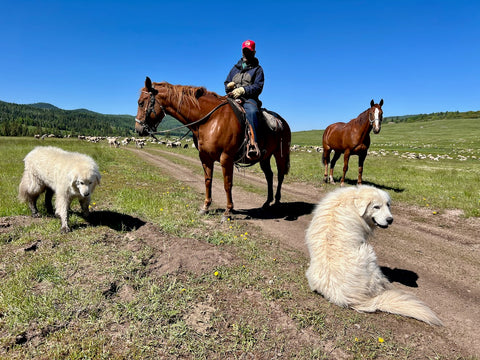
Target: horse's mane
(185, 93)
(361, 118)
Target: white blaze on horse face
(376, 126)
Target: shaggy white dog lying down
(343, 266)
(69, 175)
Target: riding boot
(253, 151)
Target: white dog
(343, 266)
(69, 175)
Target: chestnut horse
(217, 133)
(352, 138)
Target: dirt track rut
(437, 256)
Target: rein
(151, 109)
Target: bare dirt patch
(436, 257)
(175, 255)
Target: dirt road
(436, 257)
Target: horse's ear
(199, 92)
(380, 103)
(372, 103)
(148, 84)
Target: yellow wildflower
(380, 340)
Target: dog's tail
(399, 302)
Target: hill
(44, 118)
(421, 129)
(434, 116)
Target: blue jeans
(251, 110)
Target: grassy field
(94, 293)
(433, 164)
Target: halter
(370, 119)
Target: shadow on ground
(289, 211)
(405, 277)
(378, 186)
(115, 221)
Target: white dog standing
(70, 175)
(343, 266)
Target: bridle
(148, 112)
(151, 109)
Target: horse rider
(245, 81)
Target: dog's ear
(72, 179)
(98, 177)
(361, 204)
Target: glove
(230, 85)
(238, 92)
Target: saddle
(272, 119)
(268, 117)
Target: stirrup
(253, 152)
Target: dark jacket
(250, 77)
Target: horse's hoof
(202, 212)
(266, 205)
(225, 218)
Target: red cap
(249, 44)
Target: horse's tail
(287, 160)
(286, 140)
(325, 157)
(326, 153)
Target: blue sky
(323, 61)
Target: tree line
(41, 118)
(434, 116)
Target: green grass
(446, 184)
(94, 293)
(436, 185)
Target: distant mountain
(41, 105)
(43, 118)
